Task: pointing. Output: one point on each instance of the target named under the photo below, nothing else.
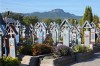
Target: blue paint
(40, 37)
(12, 47)
(17, 38)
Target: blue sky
(76, 7)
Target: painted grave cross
(40, 29)
(23, 31)
(65, 28)
(79, 34)
(74, 35)
(18, 30)
(93, 32)
(12, 44)
(40, 36)
(87, 37)
(55, 33)
(32, 32)
(1, 45)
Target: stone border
(40, 60)
(27, 60)
(83, 56)
(61, 61)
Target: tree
(27, 20)
(47, 21)
(88, 15)
(58, 20)
(34, 20)
(16, 16)
(96, 20)
(73, 21)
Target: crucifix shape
(11, 33)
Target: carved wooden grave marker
(93, 33)
(65, 28)
(1, 45)
(12, 45)
(87, 37)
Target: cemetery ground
(94, 61)
(42, 45)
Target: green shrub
(81, 48)
(35, 49)
(25, 49)
(40, 49)
(48, 40)
(62, 50)
(9, 61)
(61, 39)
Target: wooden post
(40, 37)
(12, 46)
(93, 36)
(74, 38)
(86, 37)
(1, 46)
(33, 36)
(66, 37)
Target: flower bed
(82, 52)
(36, 49)
(9, 61)
(62, 56)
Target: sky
(76, 7)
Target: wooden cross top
(86, 25)
(11, 33)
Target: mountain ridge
(53, 14)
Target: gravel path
(95, 61)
